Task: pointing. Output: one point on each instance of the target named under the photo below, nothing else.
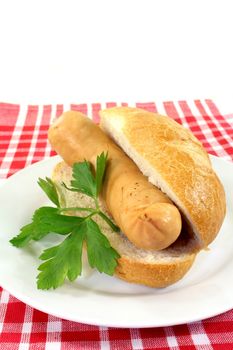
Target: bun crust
(173, 160)
(157, 275)
(150, 268)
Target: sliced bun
(151, 268)
(173, 160)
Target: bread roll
(174, 161)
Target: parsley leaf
(44, 221)
(49, 188)
(83, 179)
(65, 260)
(100, 253)
(101, 163)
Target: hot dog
(172, 159)
(144, 213)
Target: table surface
(23, 141)
(87, 51)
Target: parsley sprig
(65, 260)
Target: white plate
(205, 291)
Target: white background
(93, 51)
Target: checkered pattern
(23, 141)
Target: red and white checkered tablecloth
(23, 141)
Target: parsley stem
(90, 215)
(96, 203)
(96, 211)
(109, 222)
(77, 209)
